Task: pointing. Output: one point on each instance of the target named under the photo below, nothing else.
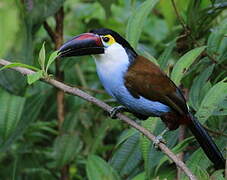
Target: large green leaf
(177, 149)
(165, 56)
(11, 110)
(221, 109)
(219, 175)
(66, 147)
(198, 162)
(141, 176)
(9, 23)
(106, 4)
(212, 100)
(154, 156)
(98, 169)
(100, 134)
(184, 63)
(145, 143)
(127, 156)
(196, 93)
(136, 21)
(167, 173)
(217, 42)
(30, 112)
(168, 12)
(125, 135)
(39, 10)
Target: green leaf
(198, 158)
(141, 176)
(42, 56)
(218, 175)
(200, 173)
(163, 173)
(216, 38)
(221, 109)
(177, 149)
(165, 56)
(51, 59)
(31, 111)
(98, 169)
(167, 11)
(19, 65)
(211, 101)
(9, 25)
(184, 63)
(66, 147)
(31, 78)
(125, 135)
(149, 56)
(100, 134)
(145, 143)
(154, 156)
(136, 21)
(127, 156)
(11, 110)
(196, 94)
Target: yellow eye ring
(105, 39)
(108, 39)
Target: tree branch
(77, 92)
(57, 38)
(49, 31)
(181, 154)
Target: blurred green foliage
(89, 143)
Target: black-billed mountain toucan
(138, 84)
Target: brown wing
(146, 79)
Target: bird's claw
(159, 139)
(116, 110)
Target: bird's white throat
(114, 59)
(111, 66)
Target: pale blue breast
(112, 80)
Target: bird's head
(97, 41)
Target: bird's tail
(206, 142)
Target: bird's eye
(105, 39)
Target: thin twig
(179, 17)
(49, 31)
(215, 132)
(101, 104)
(59, 17)
(225, 162)
(91, 89)
(214, 60)
(56, 36)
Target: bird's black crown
(118, 38)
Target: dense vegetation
(188, 39)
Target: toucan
(139, 85)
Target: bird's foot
(116, 110)
(159, 139)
